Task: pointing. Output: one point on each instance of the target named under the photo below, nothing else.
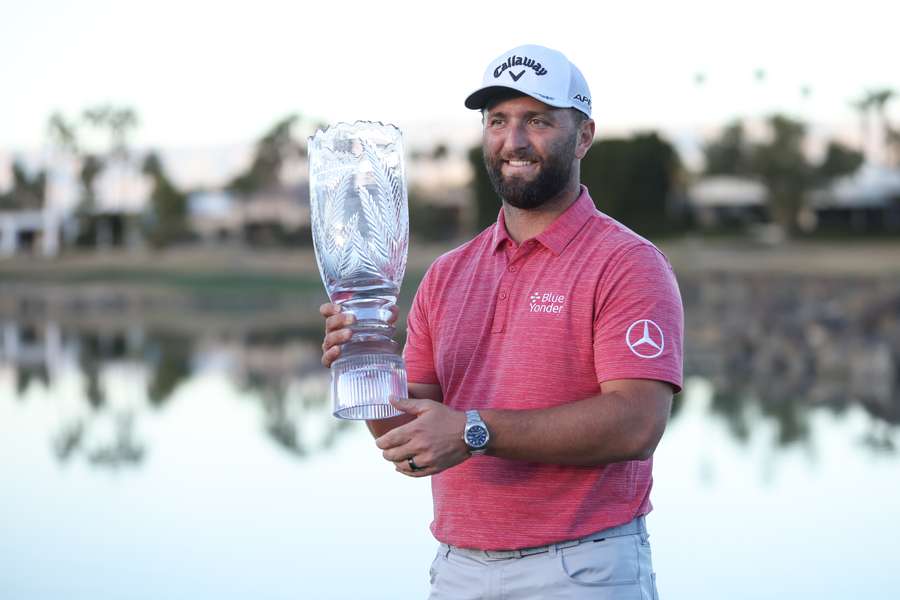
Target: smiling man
(542, 358)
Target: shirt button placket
(502, 308)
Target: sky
(216, 74)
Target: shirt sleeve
(639, 320)
(418, 353)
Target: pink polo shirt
(535, 325)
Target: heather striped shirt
(534, 325)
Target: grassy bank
(295, 271)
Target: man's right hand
(337, 331)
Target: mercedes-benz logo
(645, 339)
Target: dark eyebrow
(542, 113)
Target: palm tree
(119, 122)
(893, 143)
(875, 101)
(861, 106)
(62, 133)
(784, 169)
(880, 99)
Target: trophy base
(361, 384)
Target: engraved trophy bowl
(360, 227)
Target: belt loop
(445, 550)
(553, 549)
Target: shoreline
(288, 268)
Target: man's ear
(585, 138)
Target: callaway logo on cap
(539, 72)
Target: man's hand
(337, 331)
(433, 439)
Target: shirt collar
(560, 232)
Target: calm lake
(194, 455)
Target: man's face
(529, 150)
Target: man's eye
(539, 123)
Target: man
(542, 358)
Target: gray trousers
(611, 564)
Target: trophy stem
(372, 317)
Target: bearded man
(542, 358)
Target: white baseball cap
(539, 72)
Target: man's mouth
(514, 166)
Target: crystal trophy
(360, 227)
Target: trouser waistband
(638, 525)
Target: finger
(331, 355)
(411, 406)
(424, 472)
(395, 313)
(401, 454)
(336, 338)
(394, 439)
(328, 309)
(339, 321)
(403, 464)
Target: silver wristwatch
(476, 434)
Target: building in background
(864, 202)
(728, 200)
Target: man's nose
(516, 138)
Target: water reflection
(776, 348)
(127, 372)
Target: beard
(552, 178)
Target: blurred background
(165, 430)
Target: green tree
(117, 122)
(28, 192)
(633, 181)
(729, 154)
(487, 203)
(879, 100)
(876, 101)
(91, 167)
(630, 179)
(271, 152)
(839, 160)
(171, 366)
(168, 205)
(783, 167)
(62, 133)
(780, 163)
(64, 136)
(893, 140)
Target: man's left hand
(433, 440)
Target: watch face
(477, 436)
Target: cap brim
(480, 98)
